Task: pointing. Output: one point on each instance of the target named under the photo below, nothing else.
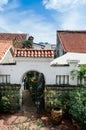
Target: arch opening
(34, 85)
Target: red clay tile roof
(13, 36)
(33, 53)
(73, 41)
(4, 46)
(21, 52)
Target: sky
(42, 18)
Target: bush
(9, 101)
(50, 97)
(65, 102)
(78, 107)
(5, 104)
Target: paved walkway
(27, 119)
(22, 121)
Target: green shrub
(9, 101)
(78, 107)
(65, 102)
(5, 104)
(50, 97)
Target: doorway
(33, 93)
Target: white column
(73, 64)
(21, 89)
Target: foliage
(5, 104)
(9, 101)
(18, 43)
(36, 87)
(78, 106)
(8, 86)
(52, 99)
(65, 102)
(33, 89)
(80, 73)
(28, 43)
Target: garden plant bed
(27, 120)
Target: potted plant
(50, 96)
(56, 112)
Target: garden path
(27, 119)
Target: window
(62, 79)
(81, 80)
(4, 78)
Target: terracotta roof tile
(4, 46)
(13, 36)
(73, 41)
(33, 53)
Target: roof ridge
(72, 31)
(72, 41)
(13, 33)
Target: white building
(71, 54)
(16, 62)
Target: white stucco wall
(8, 58)
(23, 65)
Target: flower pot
(56, 115)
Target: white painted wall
(23, 65)
(8, 58)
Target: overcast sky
(42, 18)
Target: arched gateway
(32, 63)
(32, 89)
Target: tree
(80, 73)
(28, 43)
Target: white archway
(22, 83)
